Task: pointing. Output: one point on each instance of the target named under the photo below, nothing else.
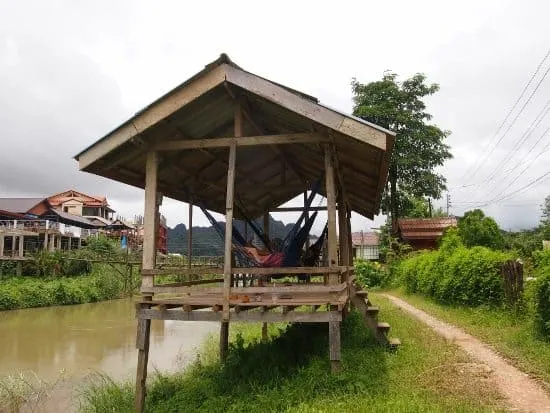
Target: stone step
(362, 293)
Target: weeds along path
(522, 392)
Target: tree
(545, 219)
(477, 229)
(419, 147)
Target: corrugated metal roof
(425, 228)
(19, 205)
(365, 238)
(70, 219)
(203, 107)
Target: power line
(488, 153)
(517, 190)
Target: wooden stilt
(334, 346)
(267, 235)
(46, 239)
(142, 344)
(224, 340)
(147, 281)
(331, 213)
(1, 245)
(190, 236)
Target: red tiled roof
(425, 228)
(365, 238)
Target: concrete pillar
(51, 243)
(45, 247)
(21, 245)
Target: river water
(73, 341)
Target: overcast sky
(70, 71)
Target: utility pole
(448, 203)
(430, 206)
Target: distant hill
(207, 242)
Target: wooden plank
(288, 270)
(159, 110)
(331, 211)
(282, 139)
(361, 131)
(180, 287)
(245, 316)
(298, 209)
(291, 289)
(150, 219)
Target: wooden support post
(142, 344)
(224, 340)
(228, 250)
(46, 240)
(1, 245)
(334, 346)
(334, 326)
(331, 212)
(190, 236)
(267, 235)
(148, 263)
(51, 243)
(307, 215)
(150, 219)
(21, 245)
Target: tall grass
(24, 392)
(290, 373)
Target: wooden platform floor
(257, 305)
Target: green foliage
(371, 274)
(545, 218)
(541, 291)
(24, 292)
(541, 258)
(526, 242)
(456, 274)
(478, 230)
(419, 147)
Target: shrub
(541, 299)
(458, 275)
(541, 258)
(371, 274)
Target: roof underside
(266, 175)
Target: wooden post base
(334, 346)
(264, 332)
(144, 329)
(224, 340)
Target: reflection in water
(98, 336)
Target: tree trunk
(394, 209)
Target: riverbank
(290, 374)
(29, 292)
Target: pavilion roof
(267, 175)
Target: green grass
(512, 334)
(290, 373)
(27, 292)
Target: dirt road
(523, 393)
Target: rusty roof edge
(224, 59)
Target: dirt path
(522, 392)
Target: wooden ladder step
(373, 311)
(394, 342)
(362, 293)
(383, 327)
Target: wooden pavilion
(241, 145)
